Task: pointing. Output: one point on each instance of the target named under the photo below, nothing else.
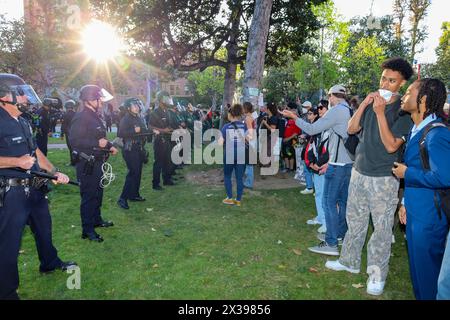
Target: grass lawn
(183, 243)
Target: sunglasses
(321, 107)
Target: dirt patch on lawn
(214, 177)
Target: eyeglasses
(321, 107)
(309, 113)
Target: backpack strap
(424, 157)
(423, 150)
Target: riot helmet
(16, 86)
(163, 97)
(92, 92)
(127, 104)
(70, 104)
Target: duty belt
(17, 182)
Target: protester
(291, 133)
(426, 225)
(317, 157)
(250, 123)
(233, 139)
(337, 170)
(270, 124)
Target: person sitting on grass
(233, 139)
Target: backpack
(444, 194)
(281, 126)
(319, 155)
(352, 140)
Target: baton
(44, 175)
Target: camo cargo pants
(376, 197)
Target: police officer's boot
(123, 203)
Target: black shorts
(287, 150)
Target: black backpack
(351, 142)
(444, 194)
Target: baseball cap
(307, 104)
(337, 89)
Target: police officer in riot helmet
(70, 107)
(43, 125)
(88, 139)
(134, 132)
(22, 196)
(160, 125)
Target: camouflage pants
(376, 197)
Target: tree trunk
(254, 66)
(230, 72)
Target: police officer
(132, 130)
(43, 127)
(88, 138)
(65, 126)
(161, 127)
(21, 197)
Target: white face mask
(304, 110)
(386, 94)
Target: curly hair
(400, 65)
(436, 93)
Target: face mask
(386, 94)
(304, 110)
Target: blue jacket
(420, 184)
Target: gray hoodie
(336, 121)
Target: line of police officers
(22, 197)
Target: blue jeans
(319, 183)
(308, 177)
(335, 194)
(444, 275)
(248, 180)
(239, 173)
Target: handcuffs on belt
(27, 183)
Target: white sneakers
(337, 266)
(307, 191)
(312, 222)
(375, 287)
(322, 229)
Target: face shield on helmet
(22, 94)
(27, 91)
(93, 93)
(167, 100)
(105, 96)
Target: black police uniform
(21, 202)
(159, 118)
(65, 129)
(43, 129)
(133, 154)
(85, 132)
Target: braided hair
(436, 93)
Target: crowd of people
(351, 156)
(355, 155)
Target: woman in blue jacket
(426, 228)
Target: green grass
(182, 243)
